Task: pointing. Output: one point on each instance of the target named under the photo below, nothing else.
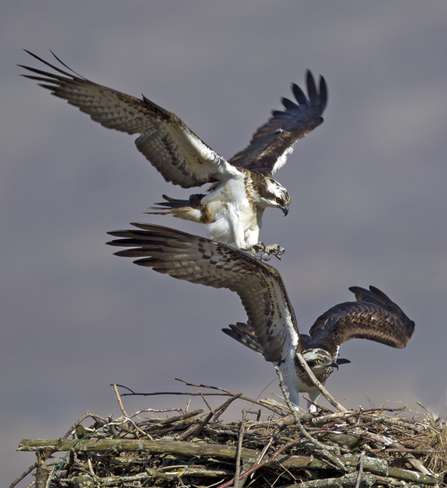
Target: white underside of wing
(282, 321)
(277, 335)
(200, 158)
(337, 352)
(281, 161)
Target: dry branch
(115, 446)
(377, 447)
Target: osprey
(272, 328)
(241, 188)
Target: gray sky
(368, 199)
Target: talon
(266, 252)
(279, 252)
(257, 248)
(275, 250)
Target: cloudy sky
(368, 199)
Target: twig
(407, 424)
(195, 430)
(264, 450)
(156, 410)
(238, 451)
(206, 403)
(227, 392)
(334, 416)
(431, 415)
(274, 406)
(359, 476)
(120, 403)
(187, 405)
(411, 459)
(414, 451)
(270, 460)
(315, 404)
(286, 395)
(128, 419)
(157, 393)
(183, 393)
(96, 418)
(177, 418)
(220, 410)
(346, 480)
(90, 468)
(159, 473)
(43, 472)
(323, 390)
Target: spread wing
(199, 260)
(373, 316)
(169, 144)
(271, 143)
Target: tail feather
(193, 202)
(191, 209)
(243, 333)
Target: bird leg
(267, 251)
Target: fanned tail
(191, 209)
(243, 333)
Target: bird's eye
(278, 201)
(319, 361)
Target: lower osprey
(272, 328)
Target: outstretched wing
(373, 316)
(169, 144)
(199, 260)
(271, 143)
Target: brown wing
(169, 144)
(373, 316)
(199, 260)
(270, 144)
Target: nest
(267, 447)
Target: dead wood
(377, 447)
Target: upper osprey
(242, 187)
(272, 328)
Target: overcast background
(368, 199)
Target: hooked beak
(341, 361)
(285, 209)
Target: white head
(320, 360)
(274, 195)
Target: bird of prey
(272, 328)
(241, 188)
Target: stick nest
(267, 447)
